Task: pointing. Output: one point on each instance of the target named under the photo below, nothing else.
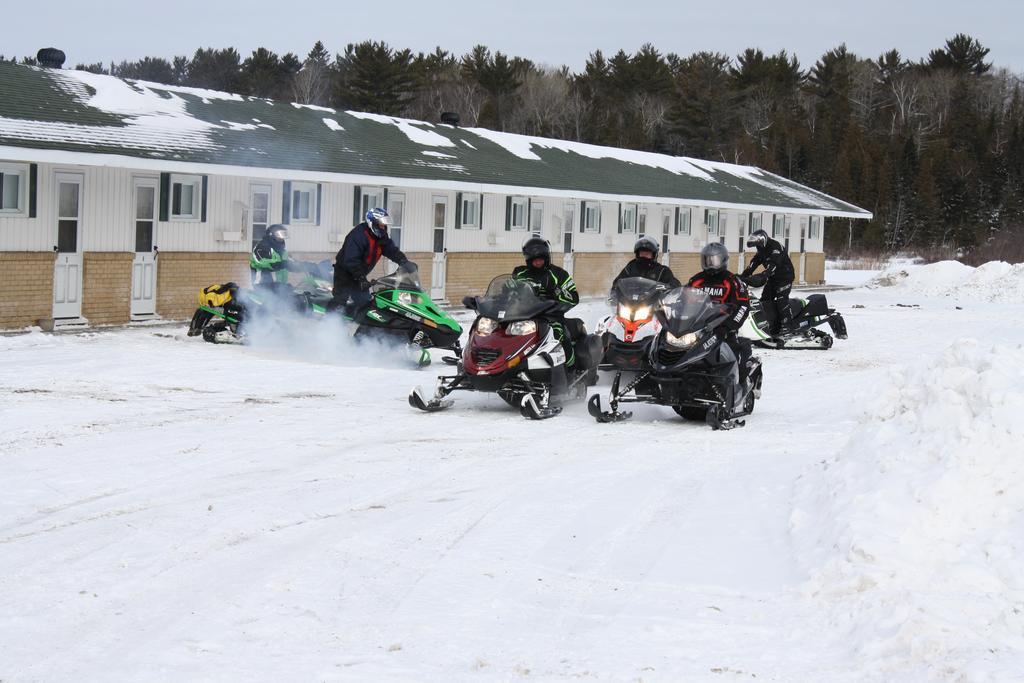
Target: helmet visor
(714, 261)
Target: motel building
(120, 200)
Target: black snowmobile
(688, 367)
(800, 332)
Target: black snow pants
(775, 302)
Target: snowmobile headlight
(625, 312)
(683, 342)
(484, 326)
(521, 327)
(406, 298)
(642, 313)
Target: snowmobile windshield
(637, 291)
(687, 309)
(400, 279)
(510, 299)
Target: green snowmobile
(399, 312)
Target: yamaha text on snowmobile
(800, 331)
(513, 351)
(688, 367)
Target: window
(304, 202)
(12, 189)
(683, 226)
(470, 217)
(778, 225)
(537, 217)
(642, 224)
(517, 213)
(815, 230)
(440, 212)
(396, 210)
(371, 198)
(711, 222)
(627, 218)
(186, 192)
(591, 217)
(754, 223)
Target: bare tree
(312, 84)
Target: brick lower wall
(814, 268)
(107, 287)
(26, 288)
(594, 272)
(180, 276)
(470, 273)
(685, 265)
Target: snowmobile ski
(417, 399)
(529, 407)
(594, 408)
(718, 419)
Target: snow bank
(913, 535)
(993, 281)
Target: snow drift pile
(913, 535)
(992, 281)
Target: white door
(67, 272)
(568, 223)
(438, 270)
(259, 211)
(144, 265)
(666, 231)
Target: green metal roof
(73, 111)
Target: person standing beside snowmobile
(553, 284)
(779, 274)
(359, 254)
(270, 262)
(646, 264)
(725, 288)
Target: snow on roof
(413, 132)
(137, 135)
(314, 107)
(85, 113)
(521, 146)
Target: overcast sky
(552, 32)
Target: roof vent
(450, 118)
(50, 57)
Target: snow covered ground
(175, 510)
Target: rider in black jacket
(779, 270)
(551, 283)
(646, 264)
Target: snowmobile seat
(817, 305)
(796, 306)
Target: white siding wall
(20, 233)
(108, 220)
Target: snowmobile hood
(508, 299)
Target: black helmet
(646, 244)
(537, 247)
(758, 238)
(278, 232)
(714, 257)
